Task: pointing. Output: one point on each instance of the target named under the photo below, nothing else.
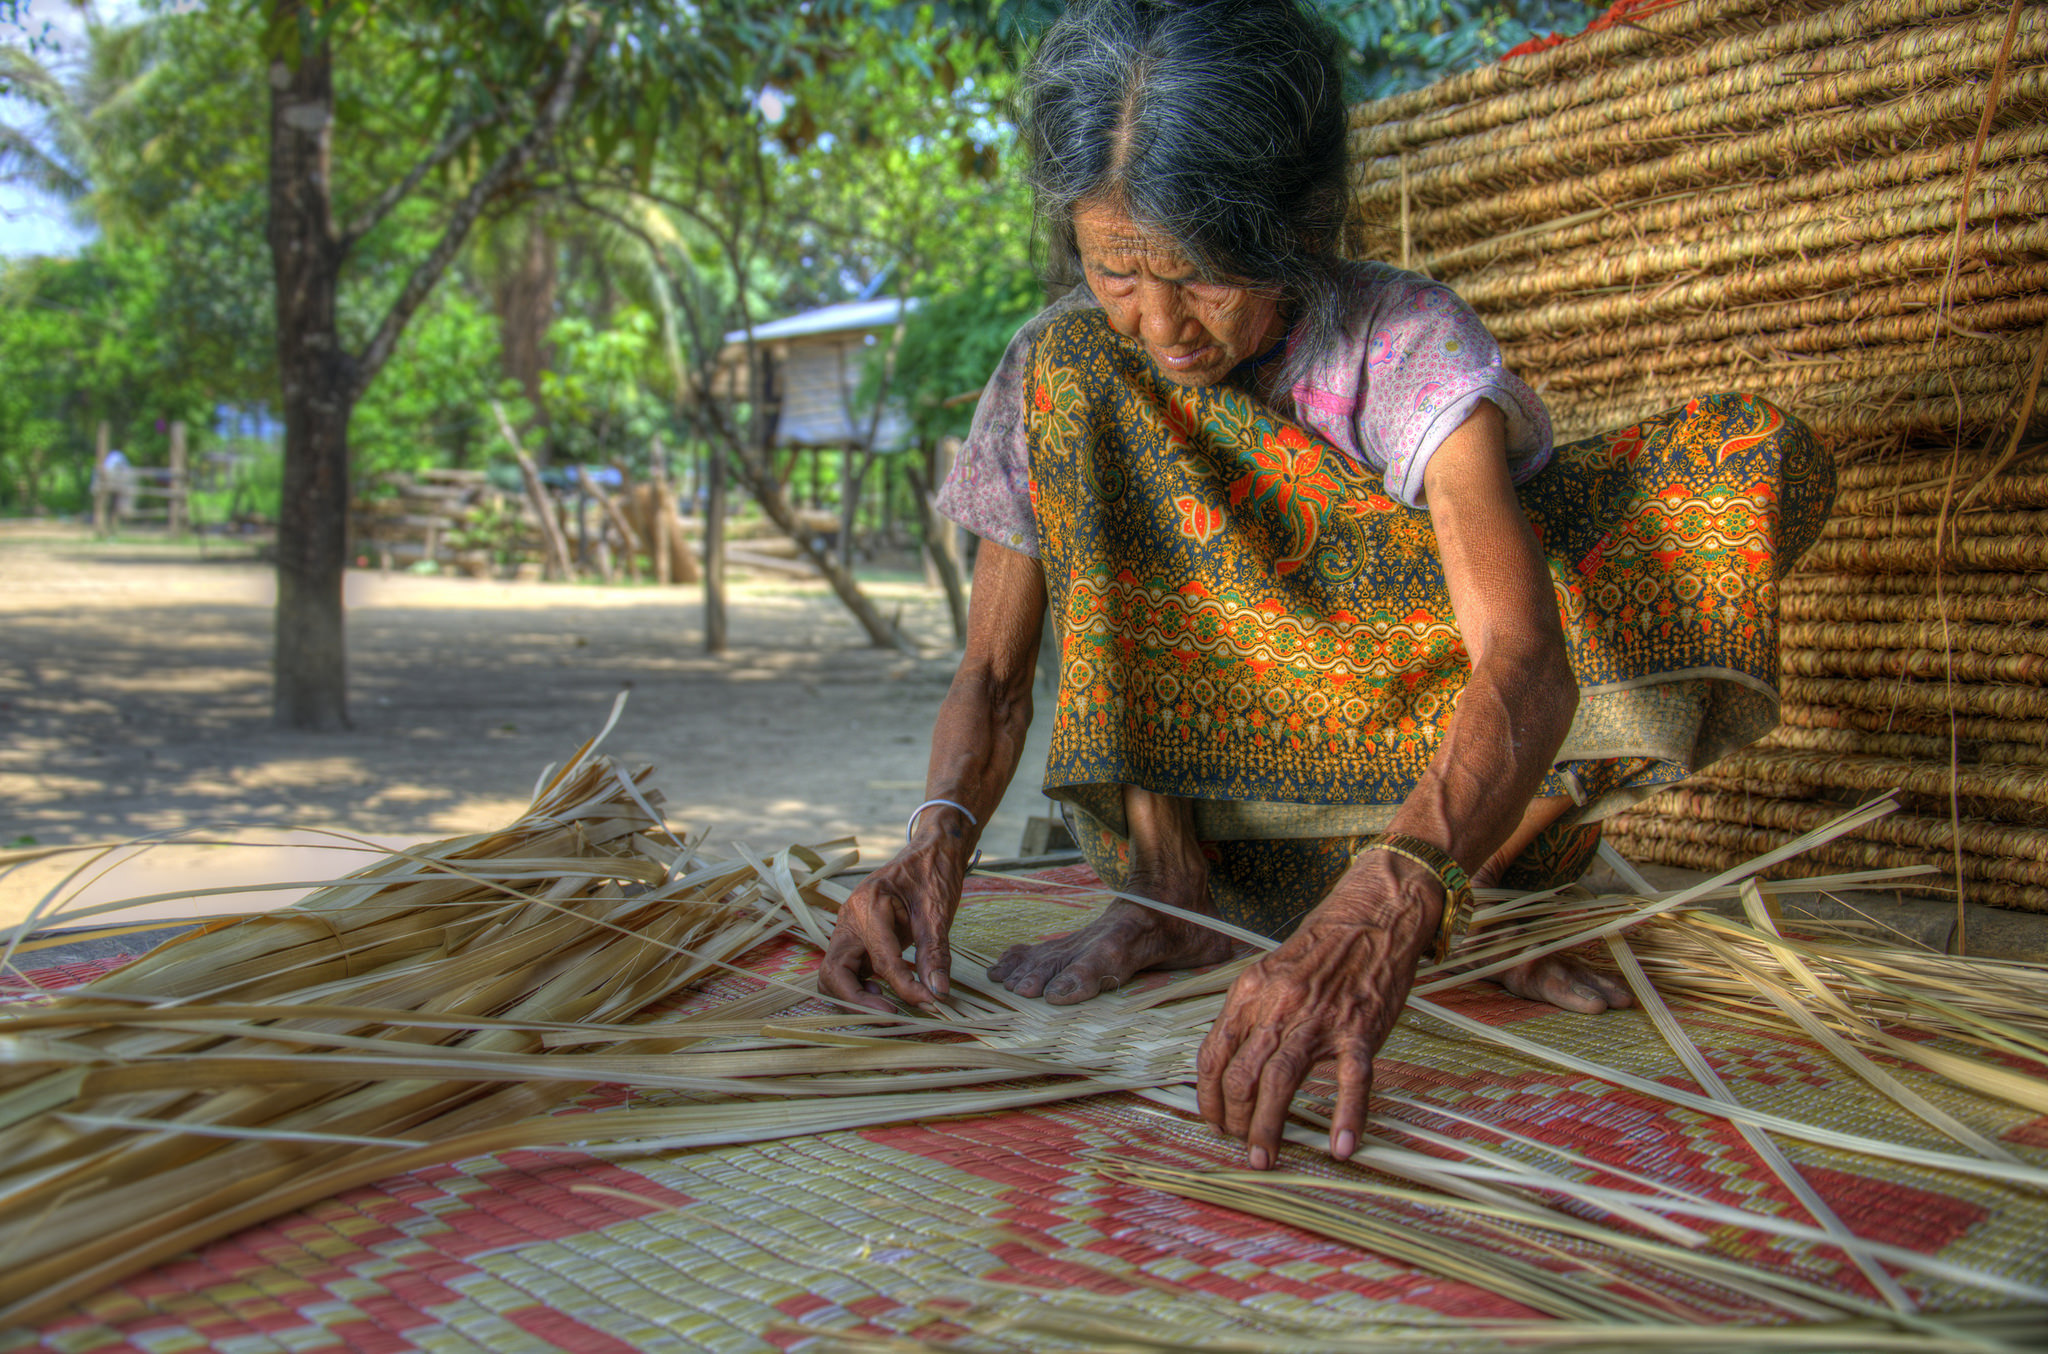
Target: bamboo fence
(459, 998)
(1842, 207)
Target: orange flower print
(1771, 422)
(1198, 520)
(1287, 474)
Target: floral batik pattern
(1245, 617)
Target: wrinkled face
(1194, 331)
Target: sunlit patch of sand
(272, 858)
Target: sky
(31, 223)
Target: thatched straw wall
(1843, 208)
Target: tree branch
(369, 218)
(428, 272)
(699, 375)
(760, 480)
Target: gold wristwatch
(1457, 884)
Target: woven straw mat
(899, 1230)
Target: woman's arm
(976, 743)
(1518, 704)
(1335, 988)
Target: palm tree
(77, 111)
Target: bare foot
(1126, 939)
(1167, 864)
(1565, 982)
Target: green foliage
(745, 160)
(599, 399)
(432, 406)
(496, 526)
(84, 339)
(247, 490)
(1397, 45)
(954, 343)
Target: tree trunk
(180, 481)
(525, 297)
(761, 481)
(318, 379)
(714, 552)
(555, 545)
(102, 490)
(849, 505)
(939, 550)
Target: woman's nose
(1163, 319)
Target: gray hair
(1219, 123)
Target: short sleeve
(989, 489)
(1428, 362)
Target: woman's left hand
(1331, 992)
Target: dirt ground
(134, 699)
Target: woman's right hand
(975, 744)
(909, 901)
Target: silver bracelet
(911, 826)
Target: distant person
(1341, 633)
(114, 480)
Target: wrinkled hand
(909, 901)
(1332, 991)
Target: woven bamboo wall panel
(1842, 208)
(1734, 195)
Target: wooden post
(657, 532)
(102, 492)
(583, 526)
(181, 480)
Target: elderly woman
(1340, 632)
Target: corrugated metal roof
(846, 317)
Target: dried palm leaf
(455, 998)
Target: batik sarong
(1246, 619)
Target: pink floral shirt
(1412, 364)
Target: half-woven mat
(571, 1086)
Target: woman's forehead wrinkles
(1134, 241)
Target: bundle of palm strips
(1843, 208)
(458, 998)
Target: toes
(1610, 989)
(1572, 995)
(1032, 970)
(1574, 987)
(1027, 980)
(1090, 975)
(1011, 958)
(1567, 985)
(1075, 984)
